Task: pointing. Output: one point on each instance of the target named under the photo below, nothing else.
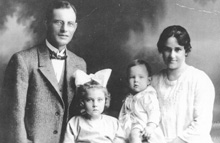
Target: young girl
(92, 126)
(140, 114)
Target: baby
(140, 113)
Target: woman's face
(174, 55)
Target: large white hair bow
(101, 77)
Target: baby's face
(138, 78)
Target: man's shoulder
(75, 59)
(73, 55)
(30, 51)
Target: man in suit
(38, 87)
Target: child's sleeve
(120, 135)
(70, 134)
(151, 106)
(122, 114)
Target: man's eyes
(100, 99)
(61, 23)
(71, 24)
(58, 22)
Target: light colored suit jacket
(32, 107)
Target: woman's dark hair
(139, 62)
(57, 5)
(179, 33)
(82, 92)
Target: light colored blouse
(105, 130)
(186, 105)
(141, 108)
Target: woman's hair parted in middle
(82, 92)
(181, 35)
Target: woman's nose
(172, 54)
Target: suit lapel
(46, 67)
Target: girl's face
(95, 103)
(173, 54)
(138, 78)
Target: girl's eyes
(89, 100)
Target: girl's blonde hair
(82, 92)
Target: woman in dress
(185, 93)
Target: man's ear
(76, 24)
(46, 24)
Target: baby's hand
(149, 130)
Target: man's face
(61, 27)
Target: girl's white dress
(186, 105)
(81, 130)
(140, 109)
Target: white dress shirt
(58, 65)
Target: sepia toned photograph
(109, 71)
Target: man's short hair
(57, 5)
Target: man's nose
(64, 27)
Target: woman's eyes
(176, 49)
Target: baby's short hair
(82, 93)
(139, 62)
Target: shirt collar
(52, 48)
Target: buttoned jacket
(32, 107)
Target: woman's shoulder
(196, 73)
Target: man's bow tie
(54, 55)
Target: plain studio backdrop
(111, 33)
